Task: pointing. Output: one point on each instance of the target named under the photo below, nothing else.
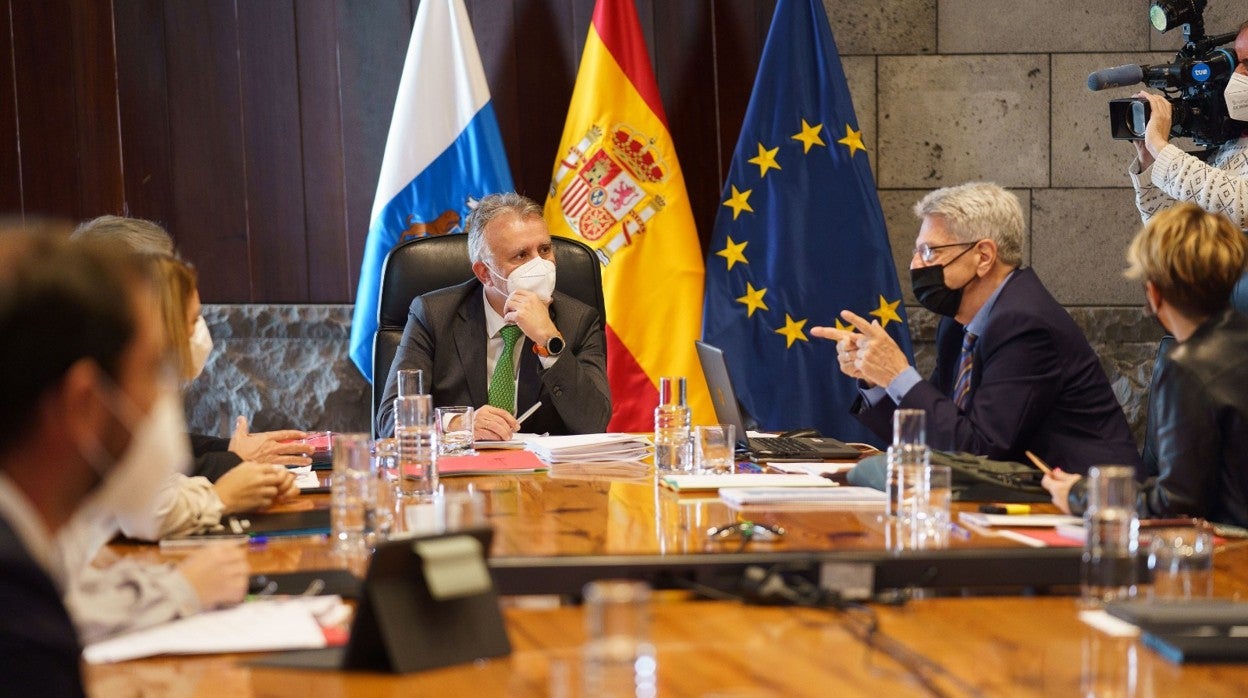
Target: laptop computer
(773, 448)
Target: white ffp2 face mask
(1236, 95)
(158, 449)
(536, 275)
(201, 347)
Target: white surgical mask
(1236, 95)
(536, 275)
(158, 449)
(201, 347)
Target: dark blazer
(1198, 411)
(1036, 385)
(37, 640)
(445, 336)
(212, 456)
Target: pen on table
(1038, 463)
(959, 531)
(1011, 509)
(529, 412)
(300, 537)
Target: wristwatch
(554, 347)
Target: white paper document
(589, 448)
(803, 496)
(692, 483)
(255, 626)
(976, 518)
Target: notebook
(728, 411)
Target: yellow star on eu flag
(753, 299)
(887, 312)
(809, 136)
(734, 252)
(792, 330)
(852, 139)
(843, 327)
(739, 201)
(766, 160)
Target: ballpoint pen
(1038, 463)
(529, 412)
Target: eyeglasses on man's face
(927, 253)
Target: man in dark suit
(81, 365)
(1013, 370)
(506, 339)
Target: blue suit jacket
(37, 640)
(1036, 385)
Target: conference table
(974, 642)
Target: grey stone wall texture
(946, 91)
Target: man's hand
(872, 355)
(1160, 119)
(267, 446)
(846, 348)
(218, 574)
(492, 424)
(1058, 484)
(250, 485)
(531, 314)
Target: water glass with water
(1110, 553)
(619, 658)
(350, 492)
(417, 434)
(672, 446)
(411, 381)
(455, 425)
(1181, 563)
(715, 448)
(384, 499)
(909, 449)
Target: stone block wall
(946, 91)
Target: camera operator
(1163, 174)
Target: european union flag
(800, 236)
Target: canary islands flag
(444, 151)
(799, 236)
(618, 187)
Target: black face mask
(930, 289)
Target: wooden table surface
(946, 646)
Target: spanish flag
(618, 187)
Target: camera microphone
(1116, 77)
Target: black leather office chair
(428, 264)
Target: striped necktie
(962, 387)
(503, 382)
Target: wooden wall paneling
(43, 55)
(101, 189)
(10, 165)
(740, 33)
(205, 116)
(548, 43)
(493, 24)
(143, 111)
(324, 174)
(269, 87)
(373, 37)
(685, 71)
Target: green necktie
(503, 382)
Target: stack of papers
(695, 483)
(738, 497)
(589, 448)
(255, 626)
(976, 518)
